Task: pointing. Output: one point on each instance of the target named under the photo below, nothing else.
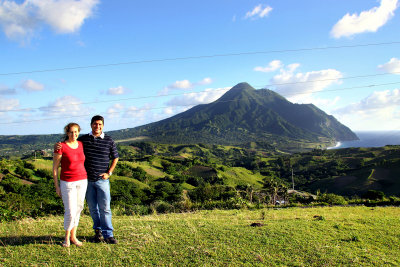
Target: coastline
(338, 144)
(371, 139)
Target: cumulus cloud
(259, 11)
(15, 19)
(367, 21)
(20, 21)
(272, 66)
(32, 86)
(184, 85)
(299, 87)
(7, 104)
(115, 110)
(379, 109)
(119, 90)
(393, 66)
(192, 99)
(375, 102)
(65, 106)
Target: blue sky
(136, 62)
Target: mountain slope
(244, 114)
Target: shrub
(331, 199)
(374, 195)
(160, 206)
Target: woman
(73, 181)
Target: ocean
(371, 139)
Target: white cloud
(259, 11)
(16, 20)
(21, 21)
(366, 21)
(32, 86)
(378, 111)
(7, 104)
(184, 85)
(205, 81)
(64, 16)
(65, 106)
(375, 102)
(272, 66)
(192, 99)
(115, 110)
(393, 66)
(298, 87)
(119, 90)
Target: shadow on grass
(26, 240)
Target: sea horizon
(371, 139)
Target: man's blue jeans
(98, 198)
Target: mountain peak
(237, 91)
(242, 86)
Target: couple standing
(85, 170)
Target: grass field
(329, 236)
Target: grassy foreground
(290, 237)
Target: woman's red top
(72, 163)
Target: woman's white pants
(73, 196)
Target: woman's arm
(56, 164)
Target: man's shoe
(97, 236)
(110, 240)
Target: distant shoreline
(371, 139)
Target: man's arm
(110, 170)
(57, 146)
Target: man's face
(97, 127)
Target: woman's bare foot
(76, 242)
(65, 244)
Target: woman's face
(73, 133)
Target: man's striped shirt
(98, 152)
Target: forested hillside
(166, 178)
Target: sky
(140, 61)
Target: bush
(374, 195)
(331, 199)
(160, 206)
(48, 174)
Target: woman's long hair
(68, 127)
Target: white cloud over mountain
(184, 85)
(20, 21)
(196, 98)
(298, 86)
(367, 21)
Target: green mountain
(244, 115)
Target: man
(99, 150)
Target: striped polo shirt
(98, 152)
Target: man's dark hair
(97, 118)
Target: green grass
(239, 175)
(42, 164)
(330, 236)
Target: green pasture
(329, 236)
